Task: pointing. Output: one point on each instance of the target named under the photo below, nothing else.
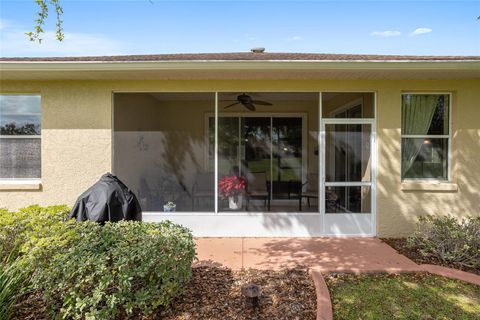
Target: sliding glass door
(268, 151)
(287, 156)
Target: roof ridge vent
(258, 50)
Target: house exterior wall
(77, 141)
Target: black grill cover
(107, 200)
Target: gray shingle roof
(243, 56)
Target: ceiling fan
(248, 102)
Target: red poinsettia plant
(231, 186)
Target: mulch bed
(215, 293)
(400, 244)
(31, 307)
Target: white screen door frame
(353, 224)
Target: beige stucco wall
(77, 140)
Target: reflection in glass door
(256, 147)
(268, 151)
(286, 157)
(347, 182)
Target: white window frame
(24, 180)
(428, 136)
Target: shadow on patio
(355, 255)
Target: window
(20, 129)
(425, 136)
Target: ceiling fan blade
(231, 105)
(263, 103)
(249, 106)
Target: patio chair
(257, 188)
(311, 190)
(332, 200)
(203, 187)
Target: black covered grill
(109, 199)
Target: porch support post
(216, 152)
(321, 159)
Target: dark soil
(31, 307)
(215, 293)
(400, 244)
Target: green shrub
(29, 239)
(448, 240)
(12, 281)
(124, 268)
(89, 271)
(30, 231)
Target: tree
(12, 129)
(43, 11)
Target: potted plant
(170, 206)
(233, 189)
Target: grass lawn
(408, 296)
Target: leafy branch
(42, 13)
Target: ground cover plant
(32, 231)
(91, 271)
(444, 241)
(407, 296)
(12, 280)
(28, 238)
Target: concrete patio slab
(220, 252)
(353, 255)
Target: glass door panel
(268, 152)
(228, 146)
(347, 179)
(256, 161)
(287, 157)
(256, 145)
(347, 152)
(351, 199)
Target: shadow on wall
(158, 149)
(398, 210)
(162, 169)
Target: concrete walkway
(354, 255)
